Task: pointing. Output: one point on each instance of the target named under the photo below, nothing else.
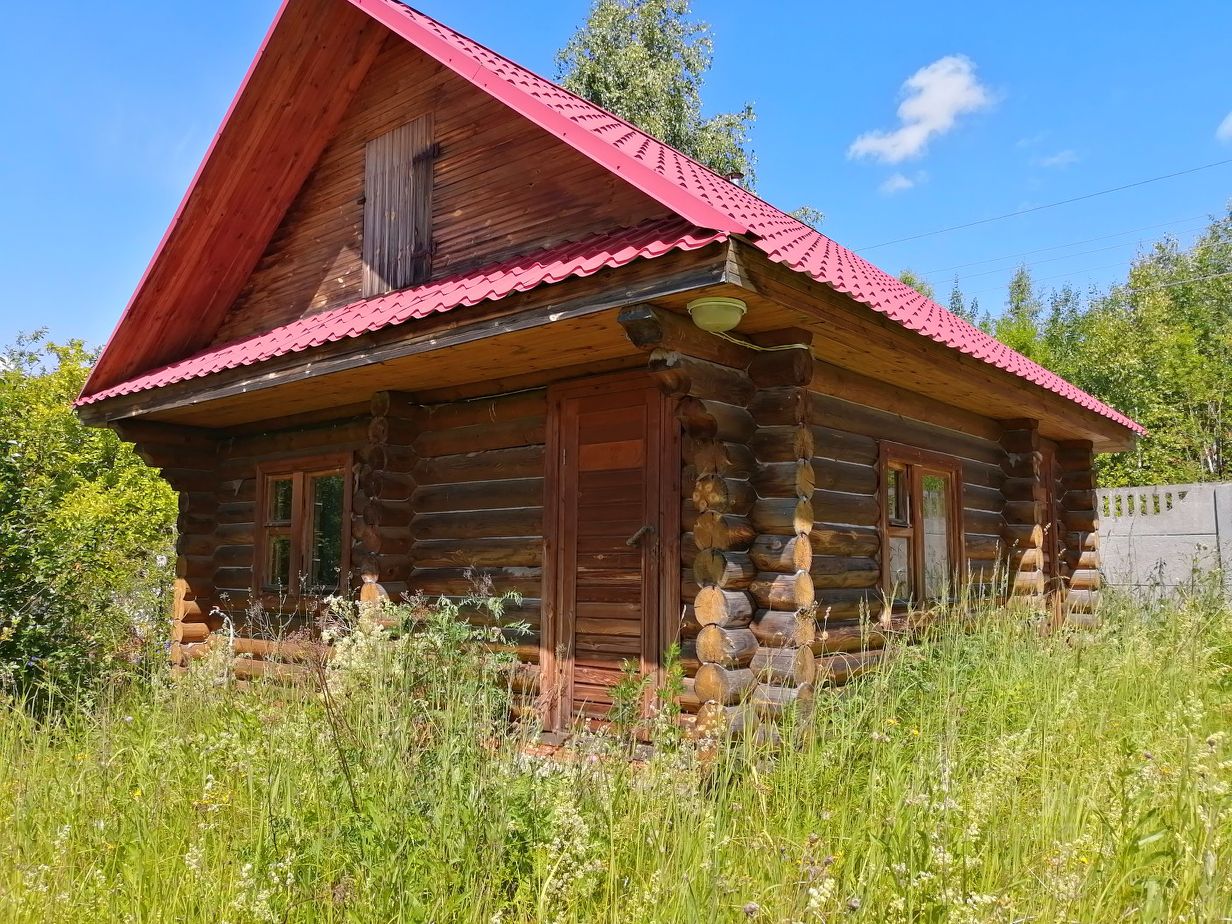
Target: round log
(782, 444)
(833, 571)
(520, 404)
(1082, 601)
(850, 477)
(783, 591)
(714, 457)
(479, 496)
(723, 685)
(846, 509)
(786, 479)
(1085, 579)
(785, 666)
(715, 720)
(514, 462)
(848, 541)
(848, 604)
(723, 531)
(783, 629)
(836, 639)
(726, 647)
(784, 554)
(783, 516)
(723, 495)
(727, 570)
(715, 420)
(772, 701)
(844, 446)
(782, 367)
(837, 669)
(780, 406)
(504, 434)
(681, 374)
(731, 609)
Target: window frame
(300, 471)
(915, 464)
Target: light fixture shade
(716, 314)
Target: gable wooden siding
(501, 187)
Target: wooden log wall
(847, 502)
(1025, 513)
(1079, 542)
(232, 500)
(477, 508)
(188, 460)
(385, 484)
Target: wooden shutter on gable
(397, 246)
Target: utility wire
(1089, 240)
(1091, 269)
(1178, 282)
(1064, 256)
(1040, 208)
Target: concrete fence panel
(1162, 536)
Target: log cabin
(423, 314)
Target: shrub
(85, 533)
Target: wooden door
(611, 530)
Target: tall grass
(989, 775)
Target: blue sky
(109, 108)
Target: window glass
(897, 507)
(280, 499)
(327, 510)
(935, 511)
(278, 561)
(900, 567)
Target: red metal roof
(519, 274)
(698, 195)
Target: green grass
(989, 775)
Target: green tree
(1159, 348)
(960, 307)
(808, 215)
(917, 282)
(83, 523)
(1019, 325)
(646, 60)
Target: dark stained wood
(606, 457)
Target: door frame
(663, 462)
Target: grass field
(989, 775)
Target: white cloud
(1066, 158)
(935, 96)
(895, 183)
(1224, 131)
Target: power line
(1091, 269)
(1064, 256)
(1178, 282)
(1089, 240)
(1050, 205)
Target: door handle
(636, 538)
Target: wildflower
(137, 792)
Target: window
(303, 536)
(397, 245)
(921, 524)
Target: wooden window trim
(300, 469)
(917, 463)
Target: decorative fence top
(1165, 536)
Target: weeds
(989, 774)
